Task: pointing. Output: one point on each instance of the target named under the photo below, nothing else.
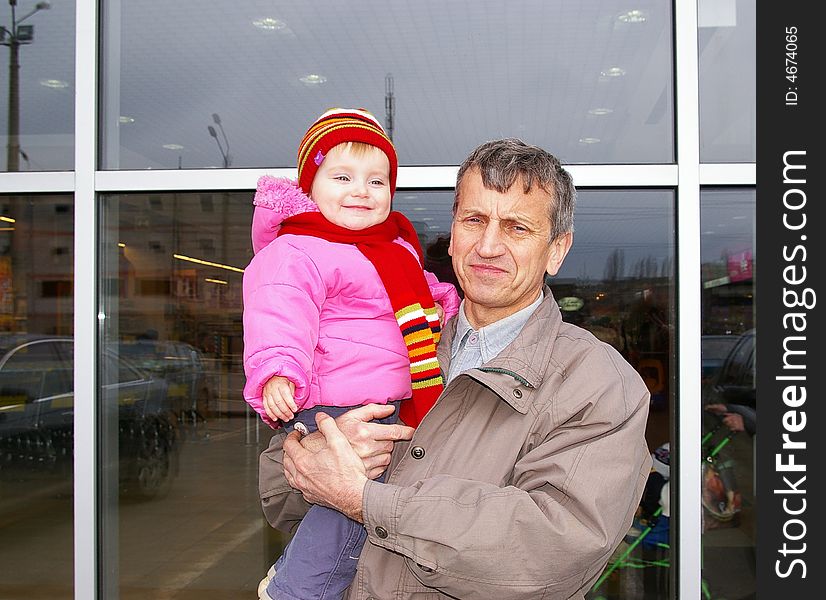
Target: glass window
(729, 393)
(37, 101)
(618, 282)
(36, 399)
(201, 472)
(189, 85)
(181, 447)
(728, 96)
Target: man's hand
(372, 442)
(334, 476)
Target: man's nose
(490, 242)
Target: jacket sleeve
(445, 294)
(550, 532)
(283, 295)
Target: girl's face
(352, 188)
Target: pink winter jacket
(317, 313)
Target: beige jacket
(518, 484)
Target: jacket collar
(516, 372)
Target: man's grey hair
(502, 162)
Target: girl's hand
(441, 312)
(279, 402)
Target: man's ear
(559, 250)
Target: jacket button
(417, 452)
(381, 532)
(517, 393)
(424, 568)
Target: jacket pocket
(413, 588)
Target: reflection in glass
(618, 283)
(589, 78)
(36, 395)
(180, 446)
(728, 391)
(37, 106)
(728, 96)
(172, 297)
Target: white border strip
(32, 182)
(689, 326)
(85, 318)
(409, 178)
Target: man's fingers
(293, 449)
(328, 428)
(370, 412)
(394, 432)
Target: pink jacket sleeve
(445, 294)
(283, 294)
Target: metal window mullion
(31, 182)
(419, 178)
(85, 303)
(689, 326)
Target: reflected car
(37, 413)
(734, 385)
(713, 352)
(191, 387)
(735, 381)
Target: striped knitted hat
(334, 127)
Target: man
(525, 475)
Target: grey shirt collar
(495, 337)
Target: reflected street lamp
(224, 149)
(14, 37)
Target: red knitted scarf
(407, 289)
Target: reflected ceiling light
(632, 16)
(600, 111)
(589, 140)
(6, 228)
(312, 79)
(419, 207)
(221, 281)
(125, 120)
(613, 72)
(269, 23)
(207, 263)
(173, 146)
(7, 219)
(121, 245)
(55, 84)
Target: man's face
(499, 244)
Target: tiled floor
(206, 538)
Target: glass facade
(37, 98)
(36, 393)
(194, 103)
(195, 86)
(728, 51)
(729, 502)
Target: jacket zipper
(516, 376)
